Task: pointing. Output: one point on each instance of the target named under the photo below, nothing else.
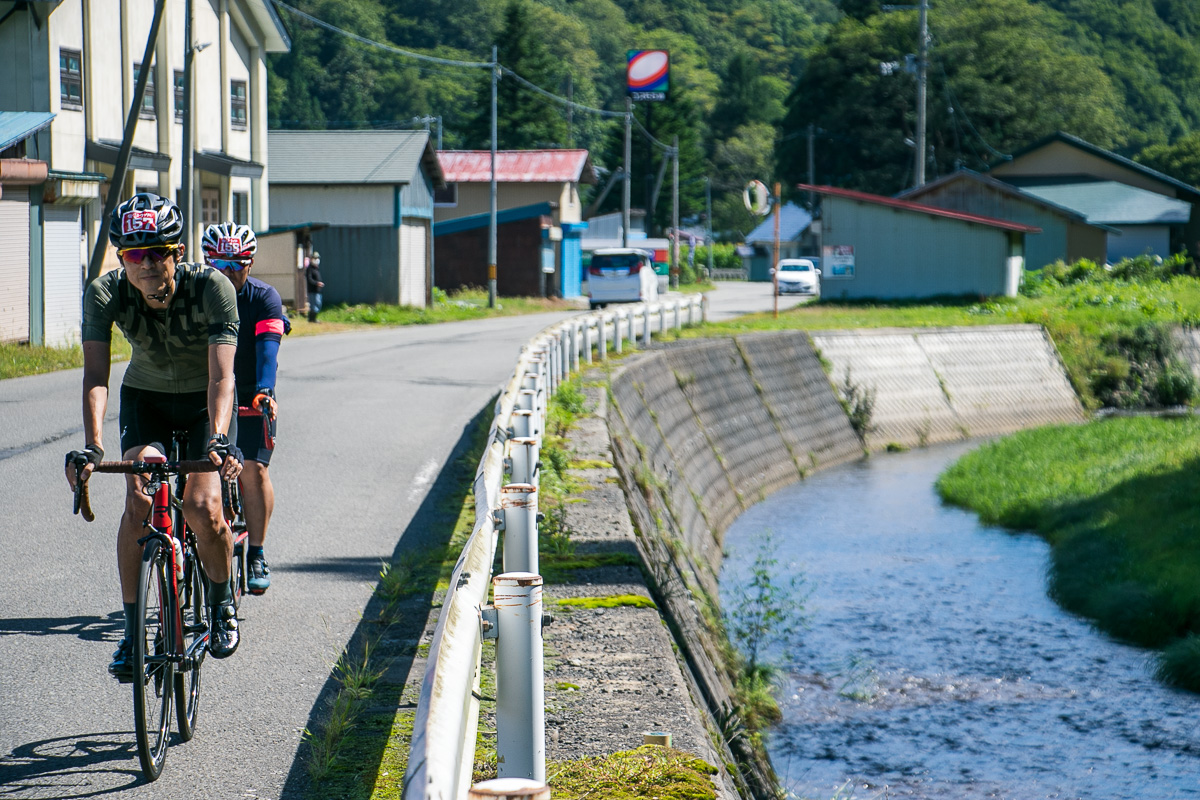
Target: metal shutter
(412, 264)
(14, 264)
(63, 276)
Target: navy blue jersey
(263, 324)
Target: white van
(621, 275)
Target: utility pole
(185, 164)
(922, 58)
(570, 111)
(812, 170)
(628, 158)
(675, 214)
(492, 193)
(775, 252)
(121, 169)
(708, 220)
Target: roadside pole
(775, 254)
(491, 269)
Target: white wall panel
(14, 264)
(63, 276)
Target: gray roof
(354, 157)
(1113, 203)
(792, 223)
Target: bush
(1140, 370)
(1179, 664)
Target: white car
(798, 276)
(621, 275)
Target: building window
(210, 206)
(447, 196)
(70, 79)
(239, 208)
(179, 95)
(237, 105)
(147, 110)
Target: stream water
(935, 666)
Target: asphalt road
(368, 421)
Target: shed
(372, 191)
(885, 248)
(1067, 234)
(523, 250)
(524, 178)
(795, 240)
(1062, 158)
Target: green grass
(650, 771)
(18, 360)
(1116, 500)
(612, 601)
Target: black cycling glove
(91, 454)
(219, 444)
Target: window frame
(235, 102)
(149, 108)
(178, 89)
(451, 186)
(67, 78)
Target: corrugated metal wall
(902, 254)
(14, 264)
(336, 205)
(413, 249)
(359, 264)
(63, 276)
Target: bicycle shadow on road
(90, 629)
(367, 686)
(68, 767)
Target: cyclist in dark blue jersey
(230, 248)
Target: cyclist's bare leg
(258, 501)
(202, 510)
(132, 527)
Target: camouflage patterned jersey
(170, 347)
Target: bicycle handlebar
(83, 505)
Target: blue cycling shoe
(260, 575)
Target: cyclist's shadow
(90, 629)
(86, 765)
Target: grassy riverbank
(1115, 499)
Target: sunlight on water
(935, 666)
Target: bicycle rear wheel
(194, 611)
(153, 667)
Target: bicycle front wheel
(194, 611)
(153, 667)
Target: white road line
(423, 480)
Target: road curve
(368, 420)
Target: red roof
(906, 205)
(517, 166)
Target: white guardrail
(442, 750)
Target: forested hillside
(751, 80)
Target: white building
(78, 60)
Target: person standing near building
(312, 275)
(230, 248)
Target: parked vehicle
(798, 276)
(621, 275)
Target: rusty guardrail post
(509, 789)
(523, 453)
(518, 518)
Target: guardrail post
(524, 452)
(618, 334)
(522, 422)
(520, 690)
(646, 326)
(704, 308)
(587, 341)
(602, 330)
(519, 504)
(662, 318)
(677, 320)
(691, 311)
(509, 789)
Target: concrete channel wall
(702, 430)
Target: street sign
(647, 74)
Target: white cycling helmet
(228, 240)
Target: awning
(17, 126)
(106, 151)
(72, 188)
(222, 164)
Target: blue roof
(474, 221)
(1113, 203)
(792, 223)
(16, 126)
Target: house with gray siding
(875, 247)
(1067, 234)
(368, 198)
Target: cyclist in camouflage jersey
(182, 322)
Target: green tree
(1180, 160)
(524, 119)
